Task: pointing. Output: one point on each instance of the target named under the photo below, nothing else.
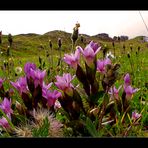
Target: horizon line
(79, 34)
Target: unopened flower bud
(59, 42)
(128, 55)
(11, 92)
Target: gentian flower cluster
(5, 106)
(33, 83)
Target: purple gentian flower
(6, 106)
(135, 115)
(127, 80)
(4, 123)
(114, 92)
(64, 83)
(21, 85)
(45, 88)
(94, 46)
(90, 52)
(130, 91)
(28, 66)
(73, 59)
(52, 97)
(37, 76)
(102, 63)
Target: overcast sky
(115, 23)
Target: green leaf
(97, 97)
(91, 128)
(43, 131)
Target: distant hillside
(28, 34)
(139, 39)
(31, 42)
(103, 36)
(57, 33)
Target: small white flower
(57, 105)
(110, 55)
(18, 70)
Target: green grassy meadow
(35, 48)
